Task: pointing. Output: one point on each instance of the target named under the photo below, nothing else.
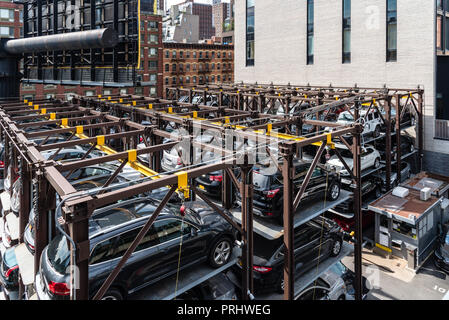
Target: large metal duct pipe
(91, 39)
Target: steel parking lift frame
(82, 118)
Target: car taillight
(182, 210)
(8, 272)
(216, 178)
(141, 139)
(262, 269)
(272, 193)
(2, 164)
(59, 288)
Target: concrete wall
(280, 48)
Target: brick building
(204, 11)
(191, 64)
(220, 12)
(150, 72)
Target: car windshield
(59, 254)
(345, 116)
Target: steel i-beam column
(357, 209)
(247, 228)
(41, 218)
(289, 262)
(388, 144)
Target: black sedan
(314, 242)
(205, 237)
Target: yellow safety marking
(52, 116)
(134, 103)
(99, 96)
(102, 99)
(132, 155)
(195, 114)
(193, 89)
(383, 247)
(43, 111)
(227, 120)
(336, 98)
(128, 105)
(182, 179)
(305, 96)
(120, 100)
(79, 129)
(64, 122)
(109, 98)
(374, 101)
(30, 103)
(25, 101)
(170, 109)
(100, 140)
(150, 106)
(36, 107)
(269, 127)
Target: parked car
(314, 242)
(329, 286)
(9, 271)
(216, 288)
(81, 184)
(347, 220)
(205, 237)
(369, 185)
(268, 193)
(442, 252)
(406, 173)
(370, 157)
(372, 121)
(407, 146)
(349, 277)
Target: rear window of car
(261, 181)
(265, 248)
(59, 254)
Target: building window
(152, 77)
(166, 81)
(167, 67)
(310, 31)
(152, 64)
(188, 54)
(194, 79)
(173, 67)
(392, 30)
(138, 90)
(194, 54)
(89, 93)
(153, 38)
(187, 79)
(250, 33)
(174, 54)
(346, 31)
(123, 91)
(152, 91)
(7, 15)
(167, 54)
(188, 67)
(6, 32)
(152, 52)
(173, 80)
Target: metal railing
(442, 129)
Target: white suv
(372, 122)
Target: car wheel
(336, 248)
(377, 163)
(333, 192)
(280, 284)
(220, 253)
(112, 294)
(378, 193)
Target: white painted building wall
(280, 48)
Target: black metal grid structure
(113, 67)
(89, 117)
